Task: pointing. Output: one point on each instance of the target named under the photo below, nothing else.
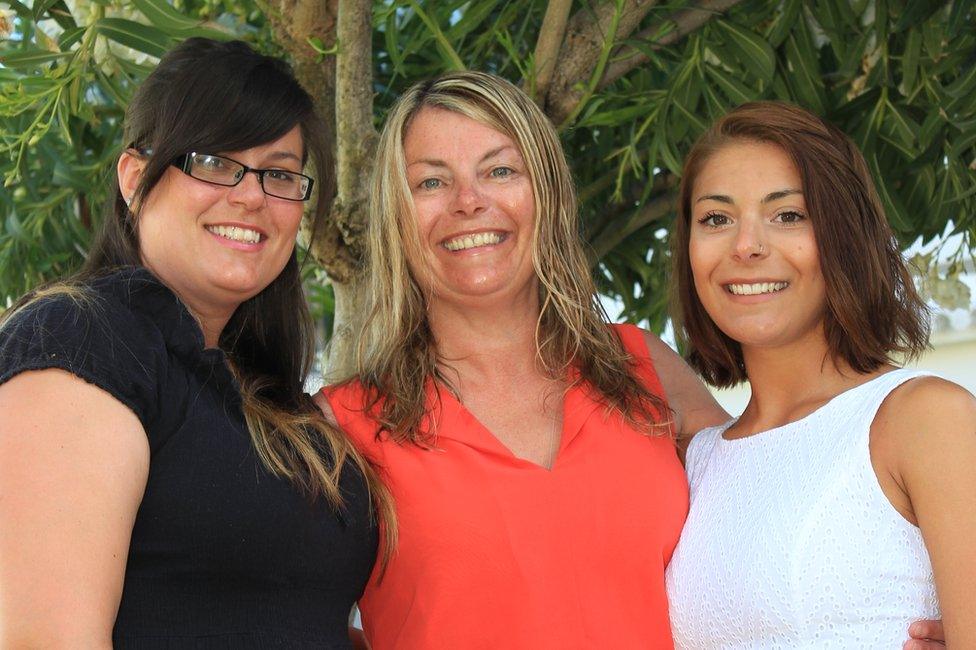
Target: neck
(791, 381)
(211, 323)
(488, 341)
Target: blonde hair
(397, 353)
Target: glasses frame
(184, 164)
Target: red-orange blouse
(497, 552)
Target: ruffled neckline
(142, 292)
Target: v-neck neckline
(457, 422)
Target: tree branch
(548, 44)
(654, 210)
(585, 39)
(682, 23)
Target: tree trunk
(350, 310)
(345, 81)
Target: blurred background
(628, 83)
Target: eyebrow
(284, 155)
(769, 198)
(436, 162)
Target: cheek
(425, 211)
(289, 220)
(700, 261)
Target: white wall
(953, 356)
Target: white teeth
(236, 233)
(473, 241)
(756, 288)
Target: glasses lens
(285, 185)
(214, 169)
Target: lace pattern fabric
(790, 541)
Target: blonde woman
(527, 443)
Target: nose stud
(761, 249)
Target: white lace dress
(790, 541)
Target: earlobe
(129, 170)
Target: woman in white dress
(840, 504)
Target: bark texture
(586, 36)
(343, 80)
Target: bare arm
(931, 427)
(693, 405)
(73, 468)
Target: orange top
(497, 552)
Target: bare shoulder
(693, 404)
(931, 406)
(923, 427)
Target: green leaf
(909, 61)
(783, 22)
(450, 57)
(41, 6)
(69, 37)
(143, 38)
(737, 92)
(960, 17)
(962, 143)
(161, 14)
(916, 12)
(964, 84)
(13, 228)
(753, 51)
(29, 58)
(896, 211)
(804, 76)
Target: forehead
(742, 165)
(440, 134)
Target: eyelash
(708, 220)
(796, 213)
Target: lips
(473, 240)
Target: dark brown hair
(872, 307)
(219, 96)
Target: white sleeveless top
(790, 541)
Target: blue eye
(502, 172)
(430, 183)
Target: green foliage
(68, 71)
(898, 75)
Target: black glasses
(227, 172)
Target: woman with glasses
(164, 480)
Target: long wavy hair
(873, 309)
(398, 354)
(223, 96)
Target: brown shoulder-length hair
(872, 307)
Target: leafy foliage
(898, 75)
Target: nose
(248, 192)
(750, 241)
(468, 199)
